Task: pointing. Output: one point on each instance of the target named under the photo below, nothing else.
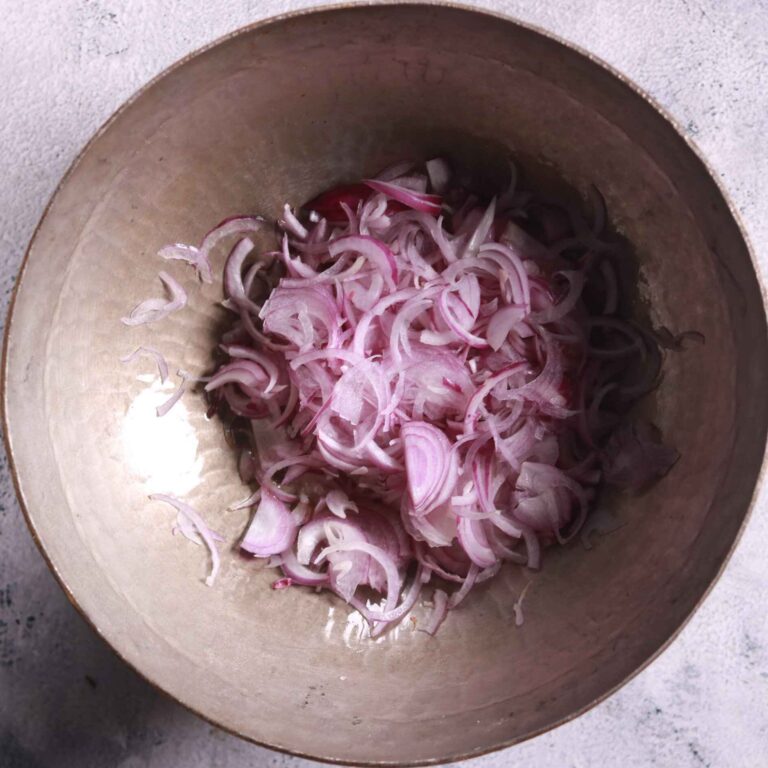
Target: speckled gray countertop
(65, 699)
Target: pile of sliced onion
(427, 382)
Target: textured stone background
(65, 700)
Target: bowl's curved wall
(279, 112)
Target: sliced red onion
(297, 314)
(425, 395)
(272, 529)
(291, 224)
(439, 612)
(480, 234)
(566, 305)
(474, 540)
(191, 255)
(247, 502)
(233, 273)
(188, 530)
(310, 537)
(467, 583)
(208, 536)
(416, 182)
(374, 250)
(396, 170)
(301, 574)
(381, 618)
(162, 365)
(430, 465)
(518, 605)
(163, 409)
(339, 503)
(458, 330)
(501, 325)
(417, 201)
(329, 204)
(236, 225)
(439, 173)
(267, 363)
(516, 369)
(152, 310)
(394, 581)
(200, 257)
(251, 377)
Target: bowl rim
(321, 8)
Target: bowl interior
(278, 113)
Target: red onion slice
(162, 365)
(272, 529)
(417, 201)
(208, 536)
(439, 612)
(430, 464)
(394, 581)
(375, 251)
(474, 540)
(339, 503)
(163, 409)
(190, 255)
(422, 394)
(152, 310)
(439, 173)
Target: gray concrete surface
(65, 700)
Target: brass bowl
(278, 112)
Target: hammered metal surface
(278, 113)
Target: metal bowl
(278, 112)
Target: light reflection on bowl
(161, 452)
